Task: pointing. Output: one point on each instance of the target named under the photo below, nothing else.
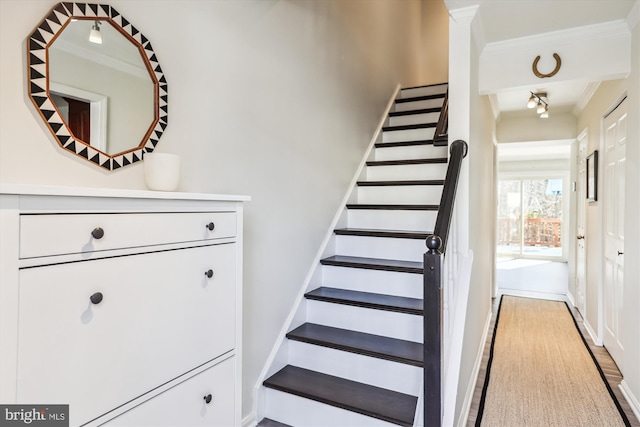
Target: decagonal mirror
(97, 83)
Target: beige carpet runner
(542, 373)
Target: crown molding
(585, 96)
(464, 14)
(101, 59)
(495, 105)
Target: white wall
(590, 119)
(471, 119)
(481, 226)
(631, 335)
(276, 99)
(527, 126)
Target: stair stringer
(279, 353)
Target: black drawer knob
(96, 298)
(208, 398)
(210, 226)
(97, 233)
(209, 273)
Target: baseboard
(571, 299)
(249, 421)
(591, 332)
(632, 400)
(471, 388)
(257, 398)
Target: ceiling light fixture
(539, 101)
(95, 36)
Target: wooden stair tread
(428, 85)
(407, 162)
(267, 422)
(403, 143)
(419, 98)
(393, 207)
(367, 300)
(414, 112)
(381, 347)
(370, 232)
(374, 264)
(410, 127)
(376, 402)
(400, 183)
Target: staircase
(355, 357)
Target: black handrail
(441, 134)
(458, 152)
(432, 297)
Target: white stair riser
(407, 172)
(408, 135)
(418, 105)
(410, 152)
(374, 281)
(301, 412)
(423, 91)
(392, 220)
(380, 247)
(378, 322)
(400, 194)
(377, 372)
(414, 119)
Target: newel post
(432, 333)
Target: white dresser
(124, 304)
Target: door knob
(579, 237)
(208, 398)
(96, 298)
(209, 273)
(620, 253)
(97, 233)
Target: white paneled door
(615, 128)
(581, 253)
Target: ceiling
(509, 19)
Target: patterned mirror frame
(38, 69)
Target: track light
(545, 113)
(95, 36)
(539, 101)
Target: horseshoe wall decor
(551, 74)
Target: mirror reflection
(103, 91)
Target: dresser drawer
(185, 405)
(59, 234)
(160, 316)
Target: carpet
(541, 371)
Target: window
(530, 217)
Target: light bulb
(541, 108)
(532, 102)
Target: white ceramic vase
(162, 171)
